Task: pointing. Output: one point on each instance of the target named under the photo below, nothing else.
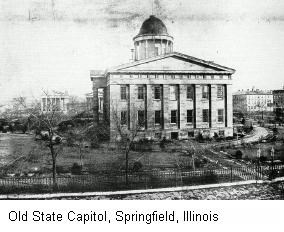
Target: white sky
(58, 48)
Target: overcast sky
(47, 44)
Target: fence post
(231, 174)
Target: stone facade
(176, 95)
(253, 101)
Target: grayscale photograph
(142, 100)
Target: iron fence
(112, 181)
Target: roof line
(135, 63)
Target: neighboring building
(250, 101)
(90, 101)
(278, 98)
(54, 101)
(174, 95)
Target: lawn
(29, 156)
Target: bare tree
(45, 123)
(78, 137)
(261, 106)
(128, 124)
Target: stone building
(54, 100)
(253, 100)
(175, 95)
(278, 98)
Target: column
(96, 105)
(228, 106)
(178, 106)
(210, 106)
(166, 113)
(198, 107)
(214, 106)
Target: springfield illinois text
(116, 216)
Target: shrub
(239, 154)
(209, 177)
(59, 169)
(215, 135)
(197, 163)
(262, 159)
(76, 169)
(200, 137)
(137, 166)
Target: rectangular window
(205, 91)
(157, 92)
(123, 117)
(205, 115)
(220, 115)
(141, 118)
(157, 117)
(173, 116)
(123, 92)
(141, 92)
(190, 92)
(189, 116)
(173, 92)
(220, 91)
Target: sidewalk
(119, 194)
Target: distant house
(252, 101)
(90, 101)
(54, 101)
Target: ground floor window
(205, 115)
(123, 117)
(220, 115)
(189, 116)
(173, 116)
(141, 118)
(157, 117)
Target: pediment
(173, 62)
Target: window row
(174, 92)
(174, 116)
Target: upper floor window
(157, 92)
(123, 92)
(173, 92)
(205, 91)
(141, 92)
(220, 91)
(190, 92)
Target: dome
(153, 26)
